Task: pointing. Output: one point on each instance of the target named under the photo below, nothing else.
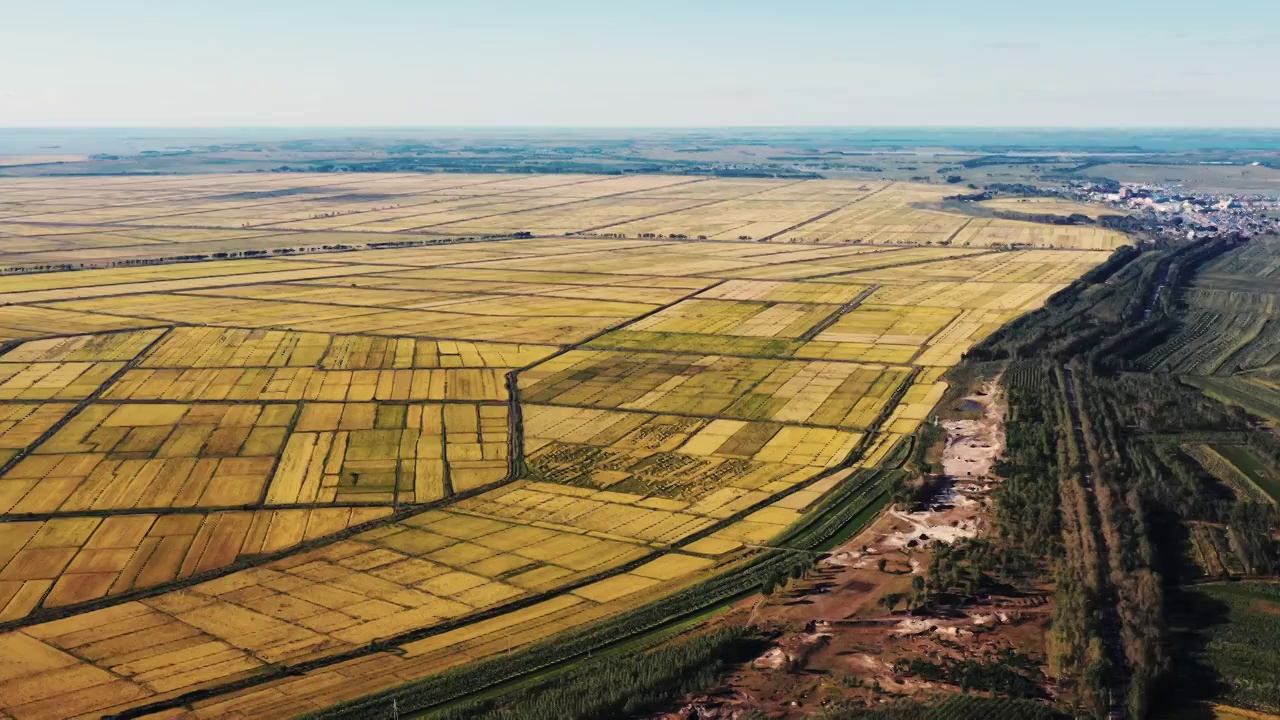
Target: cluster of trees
(1096, 479)
(971, 197)
(779, 577)
(1112, 315)
(1046, 218)
(1005, 672)
(1027, 514)
(618, 686)
(915, 600)
(971, 568)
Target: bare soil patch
(836, 641)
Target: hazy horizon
(573, 64)
(619, 128)
(133, 140)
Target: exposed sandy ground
(835, 641)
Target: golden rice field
(1048, 206)
(548, 399)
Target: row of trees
(1107, 502)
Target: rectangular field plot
(19, 322)
(840, 269)
(54, 381)
(784, 292)
(587, 216)
(916, 404)
(460, 277)
(298, 272)
(984, 232)
(13, 286)
(673, 456)
(742, 219)
(206, 348)
(639, 517)
(846, 395)
(430, 285)
(1048, 206)
(881, 224)
(211, 455)
(888, 324)
(367, 452)
(1020, 297)
(120, 346)
(307, 383)
(21, 424)
(968, 329)
(68, 560)
(144, 455)
(885, 215)
(354, 352)
(521, 325)
(731, 317)
(661, 259)
(696, 344)
(402, 576)
(510, 304)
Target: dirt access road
(835, 639)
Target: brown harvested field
(544, 403)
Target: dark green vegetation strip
(1251, 396)
(1253, 467)
(954, 707)
(1097, 471)
(619, 685)
(1003, 672)
(1230, 633)
(1227, 321)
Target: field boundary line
(812, 333)
(267, 401)
(691, 207)
(501, 194)
(79, 407)
(828, 213)
(909, 263)
(196, 196)
(698, 416)
(195, 510)
(515, 468)
(553, 205)
(388, 644)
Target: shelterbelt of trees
(1107, 475)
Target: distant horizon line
(1160, 128)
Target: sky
(638, 63)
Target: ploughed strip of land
(552, 399)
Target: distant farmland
(1048, 206)
(274, 483)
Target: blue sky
(639, 63)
